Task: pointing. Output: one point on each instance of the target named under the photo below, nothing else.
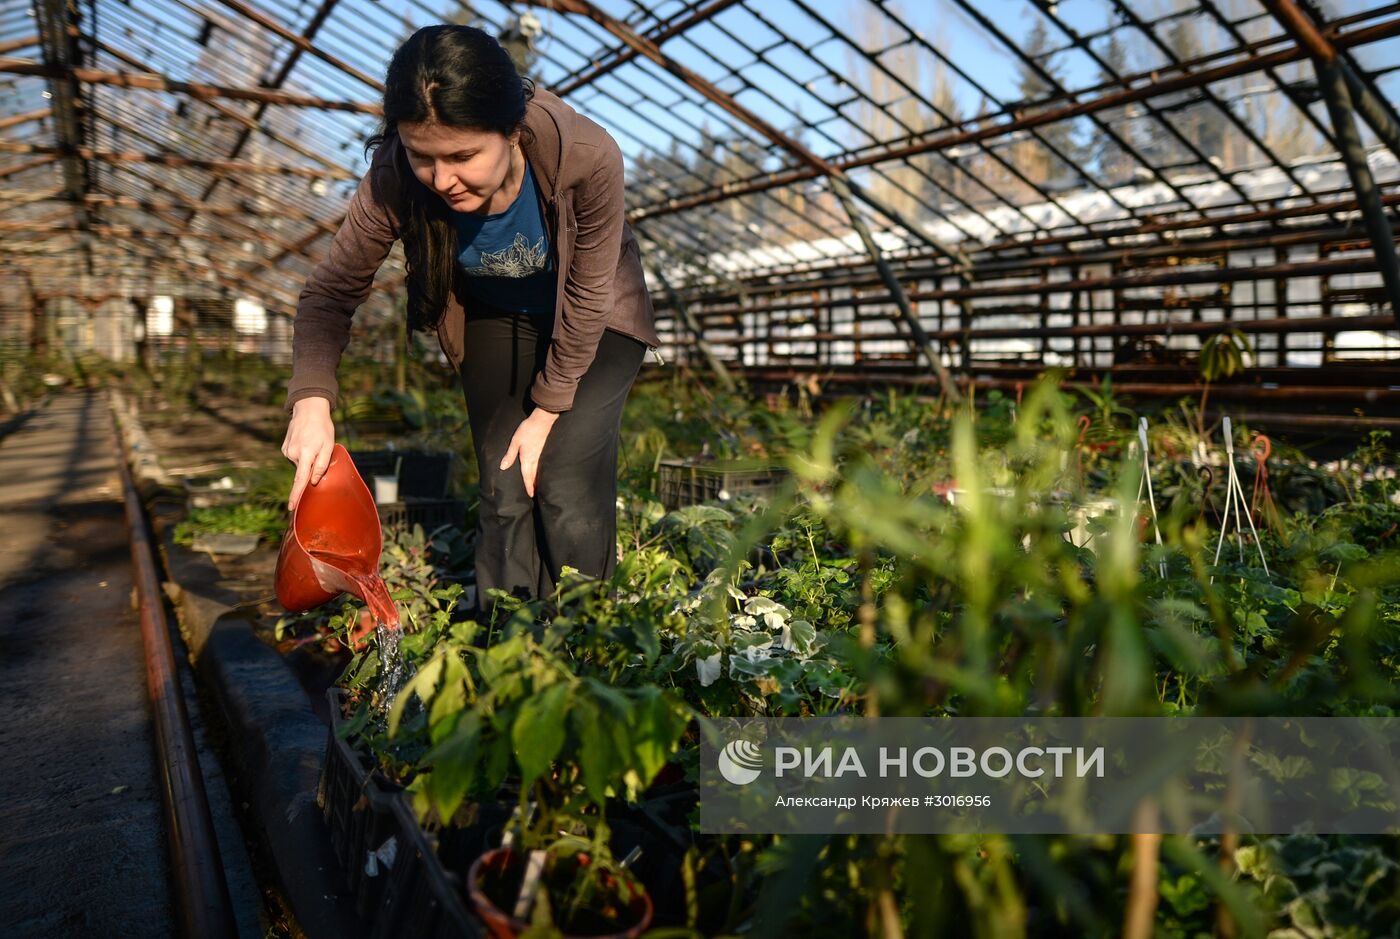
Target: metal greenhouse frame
(947, 196)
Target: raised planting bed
(365, 831)
(421, 896)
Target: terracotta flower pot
(501, 925)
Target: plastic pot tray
(408, 882)
(391, 865)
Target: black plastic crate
(691, 482)
(422, 898)
(477, 829)
(430, 513)
(420, 475)
(342, 785)
(371, 463)
(366, 833)
(417, 889)
(658, 826)
(405, 890)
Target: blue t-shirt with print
(506, 255)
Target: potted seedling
(571, 884)
(570, 743)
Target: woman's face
(465, 167)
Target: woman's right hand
(310, 438)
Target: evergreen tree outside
(1036, 160)
(1113, 163)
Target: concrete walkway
(82, 845)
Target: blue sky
(945, 27)
(985, 60)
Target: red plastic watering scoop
(332, 545)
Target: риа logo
(741, 762)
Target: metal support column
(61, 55)
(1339, 106)
(896, 289)
(691, 323)
(1374, 109)
(1346, 94)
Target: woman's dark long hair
(457, 76)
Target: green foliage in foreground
(861, 589)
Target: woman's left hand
(528, 443)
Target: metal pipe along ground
(201, 890)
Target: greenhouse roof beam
(13, 196)
(973, 131)
(286, 210)
(1041, 191)
(238, 209)
(1343, 91)
(15, 120)
(1289, 90)
(947, 189)
(250, 233)
(61, 53)
(26, 165)
(730, 230)
(1204, 159)
(229, 282)
(248, 122)
(170, 159)
(185, 264)
(842, 186)
(1373, 108)
(152, 82)
(819, 166)
(622, 56)
(876, 62)
(297, 40)
(14, 45)
(308, 34)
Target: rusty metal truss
(942, 192)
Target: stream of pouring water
(387, 633)
(371, 588)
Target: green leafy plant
(863, 590)
(241, 518)
(1223, 355)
